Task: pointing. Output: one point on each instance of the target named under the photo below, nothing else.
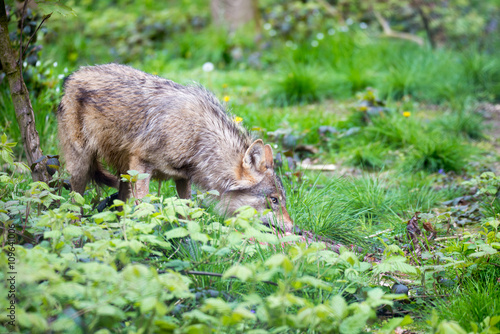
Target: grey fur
(134, 120)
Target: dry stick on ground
(21, 100)
(391, 33)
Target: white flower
(363, 25)
(55, 64)
(349, 21)
(344, 29)
(38, 63)
(208, 67)
(314, 43)
(25, 64)
(320, 36)
(65, 70)
(267, 26)
(331, 31)
(289, 44)
(60, 76)
(58, 89)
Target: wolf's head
(258, 186)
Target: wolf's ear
(268, 153)
(255, 158)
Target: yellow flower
(363, 108)
(238, 119)
(224, 85)
(226, 98)
(406, 113)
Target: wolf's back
(115, 112)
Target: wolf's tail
(102, 176)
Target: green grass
(478, 298)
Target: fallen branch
(379, 233)
(391, 33)
(328, 168)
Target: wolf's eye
(274, 200)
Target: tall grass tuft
(473, 302)
(300, 83)
(436, 152)
(318, 209)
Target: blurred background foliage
(275, 54)
(354, 44)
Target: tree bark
(234, 13)
(22, 104)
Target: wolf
(137, 121)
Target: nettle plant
(166, 264)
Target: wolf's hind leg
(78, 167)
(183, 187)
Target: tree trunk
(234, 13)
(22, 104)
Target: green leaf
(280, 260)
(107, 216)
(339, 307)
(193, 226)
(246, 212)
(354, 324)
(494, 320)
(50, 6)
(450, 327)
(217, 305)
(142, 176)
(178, 232)
(148, 304)
(178, 265)
(78, 198)
(241, 272)
(52, 234)
(134, 245)
(393, 323)
(315, 282)
(110, 310)
(72, 231)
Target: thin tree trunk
(21, 100)
(234, 13)
(425, 22)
